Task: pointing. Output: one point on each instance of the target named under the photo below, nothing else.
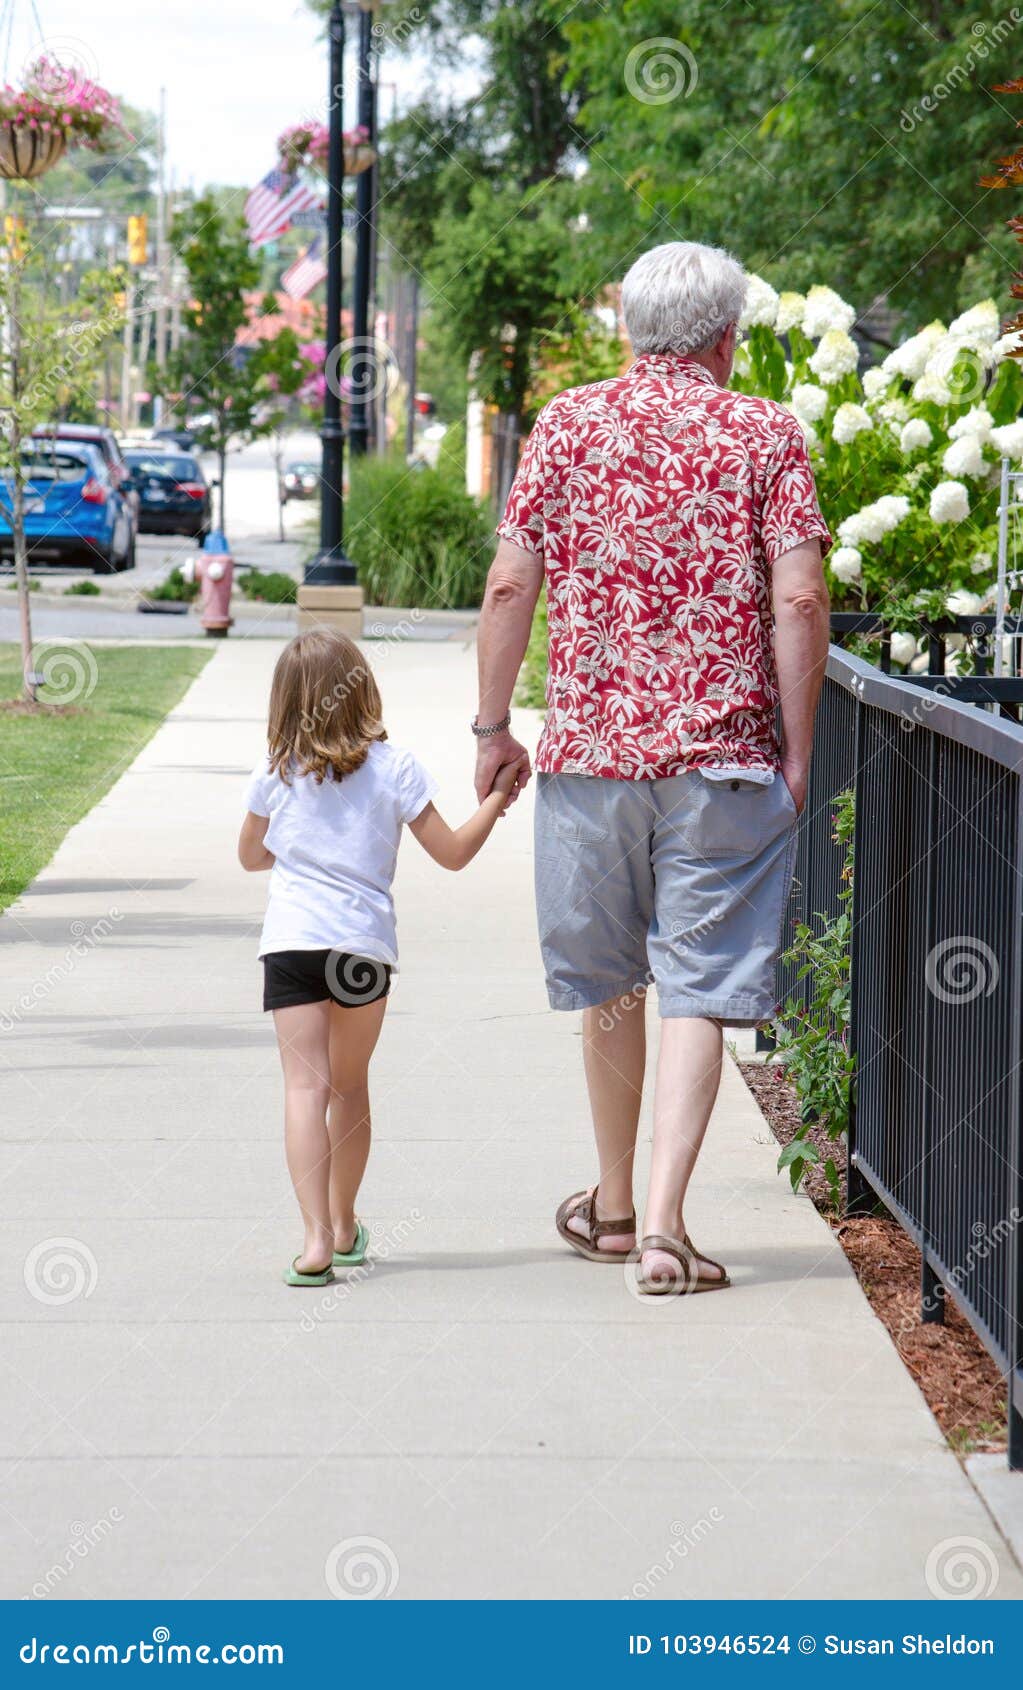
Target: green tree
(825, 140)
(48, 358)
(208, 372)
(281, 369)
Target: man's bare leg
(688, 1075)
(614, 1055)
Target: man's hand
(795, 775)
(494, 754)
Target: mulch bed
(21, 707)
(962, 1385)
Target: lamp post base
(331, 605)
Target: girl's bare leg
(353, 1037)
(303, 1037)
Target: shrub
(81, 589)
(175, 588)
(417, 537)
(273, 587)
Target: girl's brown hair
(325, 709)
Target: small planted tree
(48, 358)
(208, 372)
(284, 369)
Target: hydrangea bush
(906, 453)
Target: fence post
(1014, 1265)
(859, 1198)
(932, 1292)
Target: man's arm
(513, 587)
(801, 630)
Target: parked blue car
(73, 510)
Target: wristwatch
(493, 728)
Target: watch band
(492, 728)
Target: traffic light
(137, 238)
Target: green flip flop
(357, 1254)
(293, 1277)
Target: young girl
(326, 807)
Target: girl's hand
(511, 776)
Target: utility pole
(161, 250)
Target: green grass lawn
(54, 768)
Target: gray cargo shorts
(681, 883)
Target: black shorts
(294, 977)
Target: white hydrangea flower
(910, 359)
(1008, 345)
(962, 603)
(964, 456)
(846, 563)
(894, 411)
(933, 388)
(849, 421)
(836, 356)
(761, 303)
(915, 435)
(903, 648)
(874, 521)
(978, 420)
(978, 327)
(1008, 440)
(826, 312)
(809, 401)
(982, 563)
(875, 382)
(950, 502)
(790, 312)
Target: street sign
(311, 219)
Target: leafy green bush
(533, 674)
(272, 587)
(417, 537)
(86, 588)
(175, 588)
(813, 1034)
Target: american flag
(308, 269)
(269, 206)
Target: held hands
(502, 765)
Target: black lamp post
(363, 361)
(332, 566)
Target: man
(677, 527)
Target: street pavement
(478, 1414)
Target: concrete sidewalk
(483, 1414)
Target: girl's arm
(453, 847)
(252, 853)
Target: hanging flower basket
(57, 108)
(308, 143)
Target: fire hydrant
(213, 568)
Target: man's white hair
(681, 297)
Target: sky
(236, 72)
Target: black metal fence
(937, 981)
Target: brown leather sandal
(583, 1204)
(688, 1258)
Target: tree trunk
(222, 466)
(18, 488)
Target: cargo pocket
(729, 816)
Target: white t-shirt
(336, 846)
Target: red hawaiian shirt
(659, 502)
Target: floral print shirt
(659, 501)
